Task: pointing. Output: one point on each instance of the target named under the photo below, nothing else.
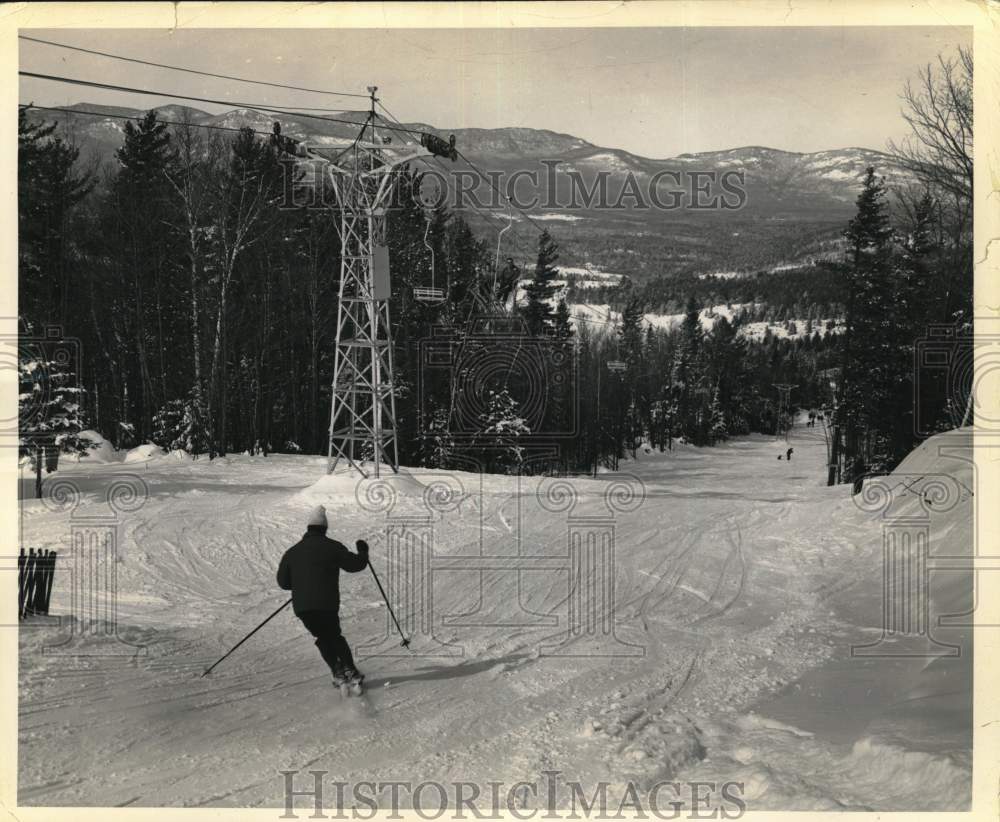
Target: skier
(310, 569)
(788, 454)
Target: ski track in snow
(727, 575)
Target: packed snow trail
(739, 575)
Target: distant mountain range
(795, 203)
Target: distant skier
(788, 454)
(310, 569)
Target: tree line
(206, 308)
(206, 315)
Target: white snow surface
(742, 579)
(603, 317)
(560, 217)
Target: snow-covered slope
(737, 577)
(603, 318)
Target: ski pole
(405, 643)
(255, 630)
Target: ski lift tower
(784, 403)
(362, 179)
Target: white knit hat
(318, 516)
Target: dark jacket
(310, 569)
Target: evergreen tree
(867, 374)
(538, 312)
(180, 425)
(49, 192)
(194, 433)
(719, 431)
(143, 204)
(686, 375)
(632, 352)
(563, 388)
(469, 270)
(410, 263)
(437, 443)
(502, 429)
(561, 323)
(916, 307)
(167, 424)
(50, 413)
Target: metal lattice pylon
(784, 404)
(362, 180)
(363, 408)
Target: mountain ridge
(795, 204)
(292, 125)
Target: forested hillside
(206, 311)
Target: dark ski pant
(325, 626)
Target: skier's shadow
(445, 671)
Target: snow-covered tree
(167, 424)
(180, 425)
(49, 411)
(718, 430)
(437, 443)
(502, 429)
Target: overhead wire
(268, 109)
(493, 185)
(487, 215)
(189, 70)
(483, 212)
(261, 108)
(475, 168)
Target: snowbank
(144, 453)
(910, 733)
(783, 767)
(344, 488)
(103, 452)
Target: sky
(657, 92)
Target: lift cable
(190, 70)
(488, 215)
(260, 108)
(497, 190)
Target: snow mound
(936, 456)
(934, 483)
(144, 453)
(910, 772)
(102, 452)
(345, 489)
(784, 768)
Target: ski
(352, 687)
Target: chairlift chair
(432, 294)
(616, 366)
(504, 230)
